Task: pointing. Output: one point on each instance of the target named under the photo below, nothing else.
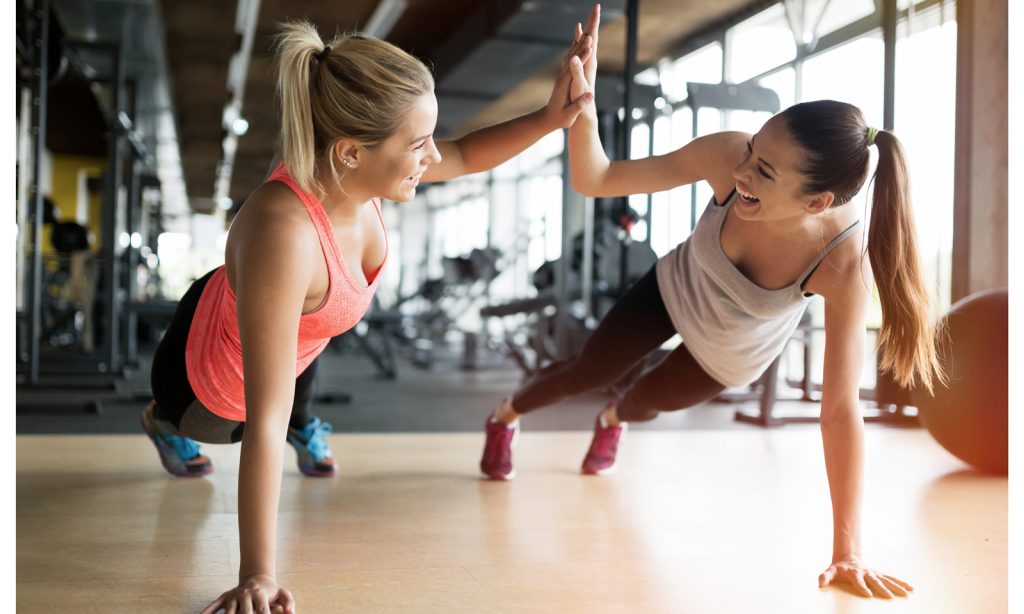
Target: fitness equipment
(882, 406)
(970, 416)
(85, 64)
(374, 337)
(535, 344)
(430, 317)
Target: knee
(582, 376)
(631, 409)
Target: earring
(351, 164)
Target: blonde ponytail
(298, 43)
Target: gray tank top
(732, 327)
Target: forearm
(843, 440)
(259, 490)
(588, 163)
(486, 148)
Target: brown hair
(834, 138)
(355, 87)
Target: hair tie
(322, 55)
(872, 133)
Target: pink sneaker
(600, 459)
(496, 462)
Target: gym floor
(703, 515)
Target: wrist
(546, 119)
(246, 576)
(847, 555)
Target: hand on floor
(863, 581)
(254, 594)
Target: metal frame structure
(39, 28)
(104, 368)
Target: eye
(420, 146)
(750, 152)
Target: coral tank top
(213, 353)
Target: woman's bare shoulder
(272, 224)
(729, 148)
(270, 210)
(845, 272)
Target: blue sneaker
(314, 452)
(180, 455)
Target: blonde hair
(360, 89)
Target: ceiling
(491, 59)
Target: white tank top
(732, 327)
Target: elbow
(840, 420)
(586, 185)
(582, 187)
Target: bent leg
(636, 325)
(305, 394)
(677, 382)
(306, 432)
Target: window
(837, 14)
(925, 117)
(852, 73)
(703, 66)
(759, 44)
(782, 83)
(640, 148)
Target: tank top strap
(825, 252)
(316, 211)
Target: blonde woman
(777, 232)
(303, 258)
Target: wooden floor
(694, 521)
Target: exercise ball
(970, 416)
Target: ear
(348, 152)
(817, 203)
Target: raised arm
(272, 275)
(486, 148)
(711, 157)
(842, 426)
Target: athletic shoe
(496, 462)
(600, 457)
(314, 452)
(180, 455)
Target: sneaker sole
(317, 473)
(311, 471)
(163, 460)
(605, 471)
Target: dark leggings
(176, 402)
(635, 326)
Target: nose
(741, 172)
(435, 155)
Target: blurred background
(143, 125)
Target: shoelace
(315, 435)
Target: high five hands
(572, 92)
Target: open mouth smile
(747, 197)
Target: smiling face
(769, 181)
(392, 169)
